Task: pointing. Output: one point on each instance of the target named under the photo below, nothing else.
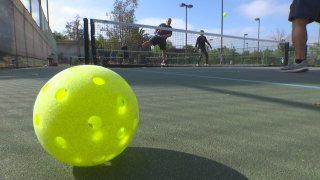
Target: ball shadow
(149, 163)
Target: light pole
(258, 19)
(244, 41)
(186, 6)
(244, 45)
(221, 43)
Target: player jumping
(160, 39)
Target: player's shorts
(305, 9)
(160, 41)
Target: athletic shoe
(301, 67)
(164, 64)
(206, 65)
(197, 64)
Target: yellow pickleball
(85, 115)
(225, 14)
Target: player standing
(201, 44)
(302, 12)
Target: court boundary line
(236, 79)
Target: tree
(189, 48)
(74, 31)
(135, 37)
(313, 55)
(124, 10)
(101, 42)
(59, 36)
(280, 35)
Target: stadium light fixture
(186, 6)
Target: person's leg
(164, 55)
(200, 57)
(301, 13)
(146, 43)
(152, 41)
(207, 57)
(162, 45)
(299, 38)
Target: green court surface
(195, 123)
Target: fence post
(93, 42)
(86, 41)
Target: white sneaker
(164, 64)
(301, 67)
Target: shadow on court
(301, 105)
(150, 163)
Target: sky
(205, 14)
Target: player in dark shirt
(160, 39)
(201, 44)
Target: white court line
(235, 79)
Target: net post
(93, 42)
(86, 41)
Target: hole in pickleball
(94, 122)
(44, 87)
(124, 140)
(135, 123)
(121, 133)
(36, 120)
(77, 160)
(97, 136)
(61, 94)
(98, 81)
(99, 159)
(61, 142)
(122, 105)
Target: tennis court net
(108, 39)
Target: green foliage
(103, 43)
(74, 29)
(189, 48)
(124, 10)
(59, 36)
(313, 54)
(133, 37)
